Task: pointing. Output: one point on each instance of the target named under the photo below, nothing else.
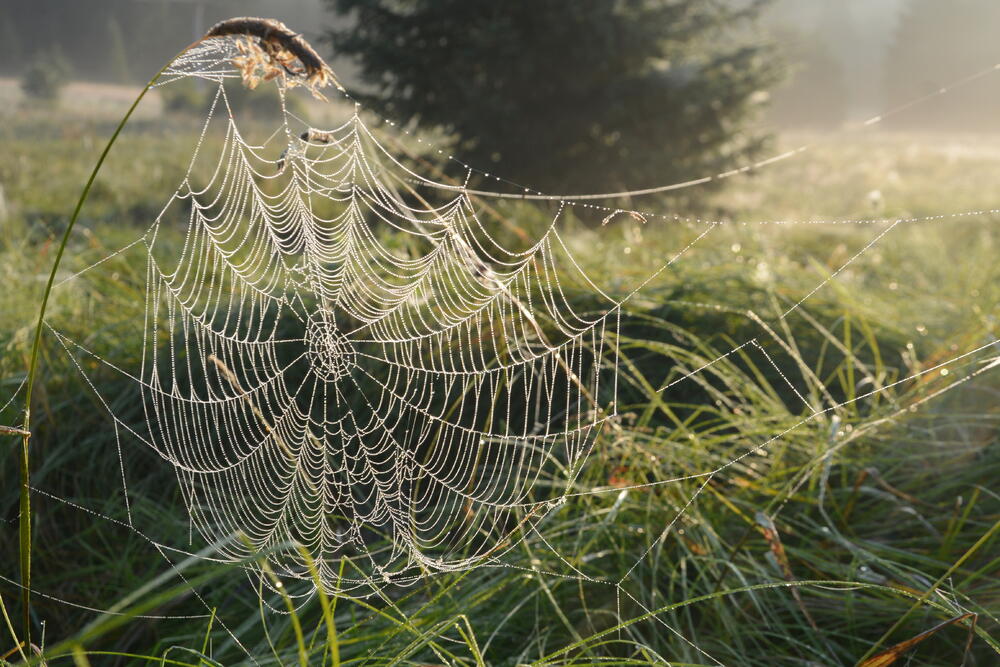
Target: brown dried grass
(270, 50)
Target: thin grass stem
(24, 521)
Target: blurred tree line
(122, 41)
(935, 44)
(568, 95)
(815, 93)
(565, 95)
(852, 59)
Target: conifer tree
(570, 95)
(117, 52)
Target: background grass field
(872, 502)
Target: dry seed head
(269, 50)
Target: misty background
(858, 417)
(848, 59)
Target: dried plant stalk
(269, 50)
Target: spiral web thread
(340, 366)
(314, 386)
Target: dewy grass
(25, 502)
(277, 51)
(861, 554)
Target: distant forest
(851, 58)
(126, 41)
(935, 44)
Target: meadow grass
(802, 553)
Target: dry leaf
(893, 653)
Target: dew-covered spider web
(315, 385)
(347, 358)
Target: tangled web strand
(338, 368)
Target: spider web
(342, 362)
(324, 391)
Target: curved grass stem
(24, 520)
(317, 74)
